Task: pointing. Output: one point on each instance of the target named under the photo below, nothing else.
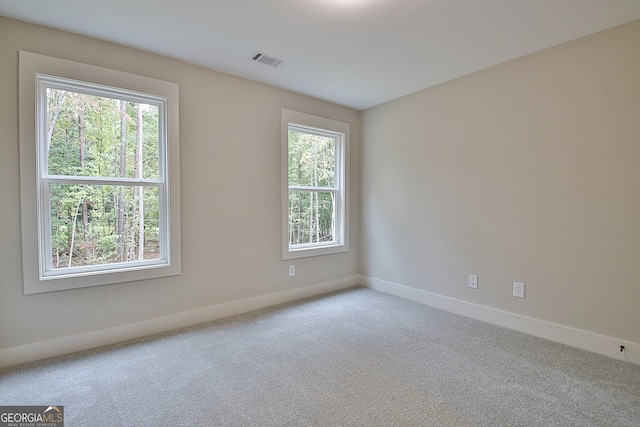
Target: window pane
(311, 217)
(103, 224)
(312, 159)
(89, 135)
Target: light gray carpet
(352, 358)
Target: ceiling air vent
(266, 59)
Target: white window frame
(341, 132)
(39, 72)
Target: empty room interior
(483, 177)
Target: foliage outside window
(316, 203)
(101, 182)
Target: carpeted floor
(352, 358)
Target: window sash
(337, 189)
(338, 139)
(45, 81)
(46, 236)
(44, 179)
(335, 222)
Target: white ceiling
(357, 53)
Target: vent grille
(266, 59)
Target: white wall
(230, 189)
(527, 171)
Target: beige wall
(528, 171)
(230, 189)
(523, 172)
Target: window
(315, 205)
(98, 203)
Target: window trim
(322, 126)
(34, 69)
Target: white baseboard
(596, 343)
(54, 347)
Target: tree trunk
(123, 170)
(314, 220)
(57, 248)
(85, 213)
(140, 189)
(131, 244)
(53, 112)
(73, 234)
(333, 216)
(298, 226)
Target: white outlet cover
(292, 270)
(518, 289)
(473, 281)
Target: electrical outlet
(292, 270)
(518, 290)
(473, 281)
